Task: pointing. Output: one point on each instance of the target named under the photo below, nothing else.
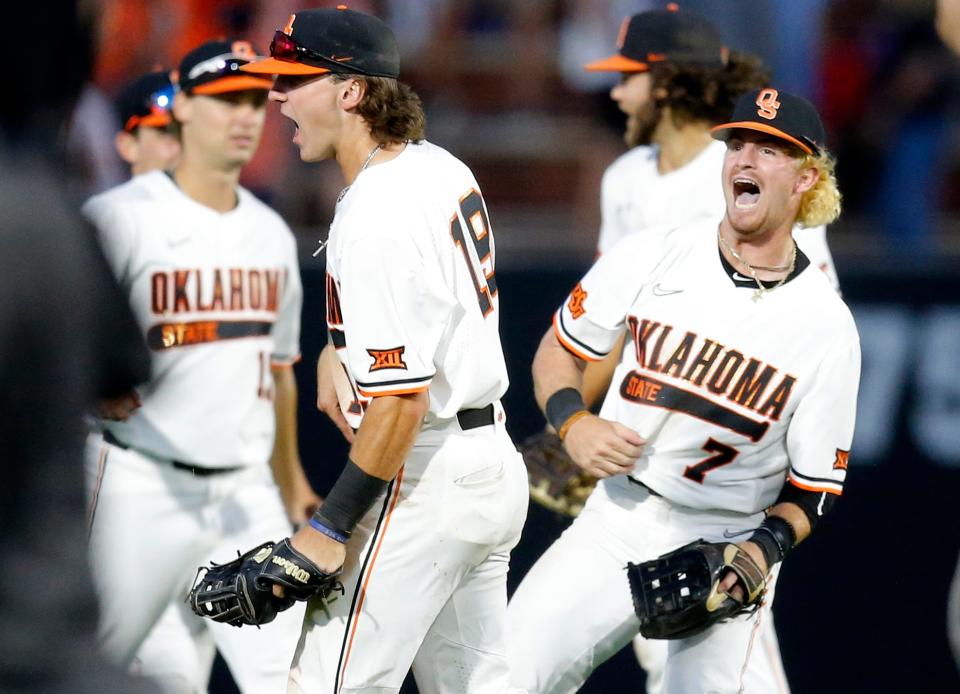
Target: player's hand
(327, 400)
(730, 583)
(300, 501)
(603, 448)
(120, 408)
(327, 554)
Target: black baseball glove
(556, 482)
(677, 595)
(241, 591)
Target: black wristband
(776, 537)
(351, 497)
(562, 405)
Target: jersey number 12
(476, 242)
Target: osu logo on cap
(387, 358)
(767, 104)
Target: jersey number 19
(475, 240)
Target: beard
(642, 124)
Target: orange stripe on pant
(101, 466)
(366, 580)
(753, 637)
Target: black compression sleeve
(351, 497)
(562, 405)
(776, 537)
(814, 504)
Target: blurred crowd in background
(503, 86)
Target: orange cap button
(672, 7)
(341, 7)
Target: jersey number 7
(475, 240)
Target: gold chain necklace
(752, 269)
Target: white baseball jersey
(732, 393)
(635, 196)
(411, 289)
(412, 307)
(218, 297)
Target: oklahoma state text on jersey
(220, 289)
(734, 395)
(218, 299)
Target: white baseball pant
(573, 610)
(151, 526)
(425, 579)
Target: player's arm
(328, 401)
(389, 427)
(585, 329)
(598, 375)
(818, 445)
(602, 448)
(787, 524)
(948, 23)
(393, 318)
(299, 499)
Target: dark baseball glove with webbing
(241, 591)
(556, 482)
(677, 595)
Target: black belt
(186, 467)
(471, 419)
(654, 492)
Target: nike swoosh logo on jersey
(659, 290)
(741, 278)
(173, 243)
(736, 533)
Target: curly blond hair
(820, 204)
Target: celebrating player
(677, 81)
(433, 496)
(213, 278)
(730, 414)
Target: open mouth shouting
(746, 192)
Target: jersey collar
(741, 280)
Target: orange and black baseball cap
(339, 40)
(670, 35)
(785, 116)
(214, 68)
(146, 102)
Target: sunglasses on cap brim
(285, 49)
(161, 102)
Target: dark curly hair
(700, 93)
(391, 109)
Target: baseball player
(433, 496)
(213, 279)
(147, 139)
(677, 81)
(729, 418)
